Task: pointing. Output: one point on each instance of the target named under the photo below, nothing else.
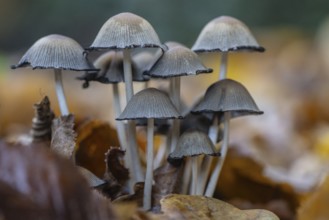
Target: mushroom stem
(186, 176)
(135, 165)
(194, 174)
(117, 111)
(175, 97)
(203, 177)
(223, 65)
(60, 93)
(215, 175)
(149, 168)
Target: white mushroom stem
(215, 175)
(194, 174)
(203, 176)
(149, 168)
(186, 175)
(132, 151)
(223, 65)
(117, 111)
(175, 97)
(60, 93)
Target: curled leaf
(200, 207)
(113, 159)
(63, 136)
(42, 121)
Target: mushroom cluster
(132, 51)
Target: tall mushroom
(231, 99)
(126, 31)
(150, 104)
(192, 144)
(177, 61)
(56, 52)
(224, 34)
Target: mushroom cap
(126, 30)
(55, 52)
(228, 95)
(149, 103)
(193, 143)
(224, 34)
(177, 61)
(110, 65)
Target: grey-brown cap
(224, 34)
(55, 52)
(149, 103)
(177, 61)
(193, 143)
(110, 65)
(126, 30)
(228, 95)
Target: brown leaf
(137, 197)
(200, 207)
(316, 205)
(243, 178)
(113, 159)
(93, 141)
(167, 180)
(63, 136)
(42, 121)
(51, 182)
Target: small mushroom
(149, 103)
(224, 34)
(192, 144)
(56, 52)
(116, 33)
(232, 99)
(177, 61)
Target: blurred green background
(23, 22)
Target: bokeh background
(289, 82)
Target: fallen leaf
(63, 136)
(50, 182)
(93, 141)
(200, 207)
(243, 178)
(42, 121)
(168, 180)
(316, 205)
(114, 166)
(136, 197)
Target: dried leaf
(93, 141)
(137, 197)
(242, 177)
(113, 159)
(92, 179)
(316, 205)
(200, 207)
(63, 136)
(51, 182)
(167, 181)
(42, 121)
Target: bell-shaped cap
(149, 103)
(224, 34)
(110, 65)
(177, 61)
(228, 95)
(126, 30)
(56, 52)
(193, 143)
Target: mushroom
(56, 52)
(149, 103)
(192, 144)
(232, 99)
(225, 34)
(176, 61)
(126, 31)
